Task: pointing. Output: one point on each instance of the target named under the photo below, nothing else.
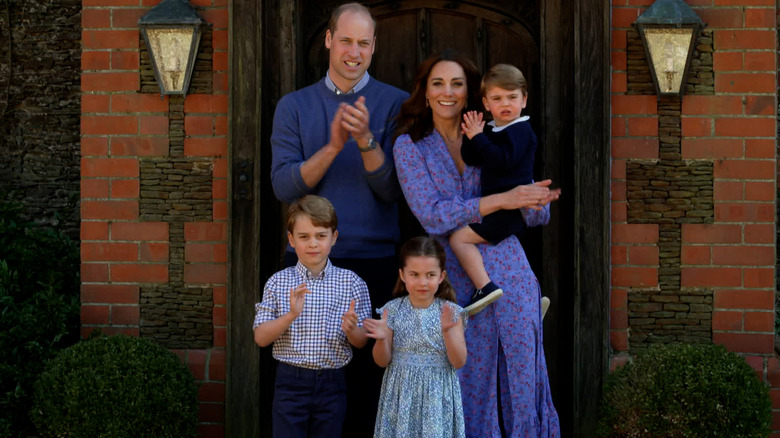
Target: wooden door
(280, 47)
(409, 32)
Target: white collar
(492, 123)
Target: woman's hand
(534, 196)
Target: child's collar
(492, 123)
(306, 273)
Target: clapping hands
(472, 124)
(447, 319)
(298, 299)
(350, 120)
(377, 328)
(349, 320)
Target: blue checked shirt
(315, 339)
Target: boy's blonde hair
(504, 76)
(317, 208)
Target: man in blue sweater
(334, 139)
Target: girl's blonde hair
(424, 246)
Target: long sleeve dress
(504, 340)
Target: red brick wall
(736, 129)
(119, 127)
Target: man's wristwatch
(370, 146)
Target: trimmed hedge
(39, 310)
(681, 390)
(116, 386)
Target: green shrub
(39, 310)
(681, 390)
(116, 386)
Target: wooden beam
(592, 212)
(242, 393)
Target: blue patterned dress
(420, 389)
(504, 340)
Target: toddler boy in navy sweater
(505, 150)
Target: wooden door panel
(505, 46)
(408, 32)
(396, 56)
(453, 31)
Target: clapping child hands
(472, 124)
(447, 319)
(356, 335)
(349, 320)
(377, 328)
(298, 299)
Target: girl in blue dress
(420, 341)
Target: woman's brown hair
(415, 117)
(424, 246)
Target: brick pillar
(727, 119)
(154, 195)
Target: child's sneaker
(483, 297)
(545, 305)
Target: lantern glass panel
(170, 48)
(668, 50)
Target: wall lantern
(172, 34)
(669, 29)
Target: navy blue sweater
(506, 156)
(365, 202)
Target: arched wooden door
(561, 46)
(408, 32)
(488, 33)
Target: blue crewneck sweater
(365, 202)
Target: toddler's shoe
(481, 298)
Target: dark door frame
(575, 66)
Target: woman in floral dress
(504, 341)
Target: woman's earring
(426, 103)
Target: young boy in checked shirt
(312, 312)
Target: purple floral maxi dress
(505, 339)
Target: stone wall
(667, 191)
(40, 66)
